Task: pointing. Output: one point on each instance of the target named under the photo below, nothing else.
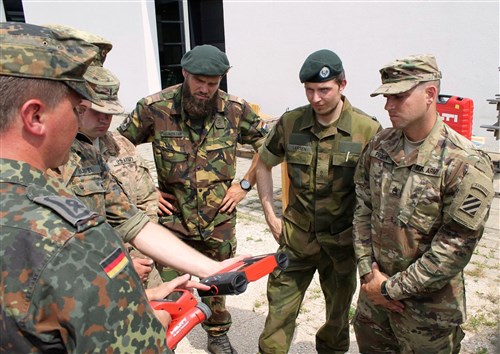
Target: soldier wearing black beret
(320, 144)
(195, 128)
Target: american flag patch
(471, 205)
(114, 263)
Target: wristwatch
(245, 185)
(383, 290)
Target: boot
(220, 345)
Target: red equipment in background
(457, 112)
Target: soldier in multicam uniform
(195, 128)
(66, 281)
(423, 197)
(321, 144)
(126, 166)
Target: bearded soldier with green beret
(423, 197)
(320, 144)
(195, 128)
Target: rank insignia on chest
(220, 123)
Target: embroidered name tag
(90, 170)
(301, 148)
(172, 134)
(431, 171)
(123, 161)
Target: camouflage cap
(106, 85)
(104, 45)
(404, 74)
(36, 52)
(205, 60)
(320, 66)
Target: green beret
(321, 66)
(205, 60)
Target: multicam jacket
(131, 172)
(421, 216)
(320, 166)
(67, 284)
(196, 168)
(87, 175)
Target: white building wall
(129, 25)
(267, 42)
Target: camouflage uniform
(317, 224)
(131, 172)
(419, 217)
(197, 168)
(87, 175)
(67, 284)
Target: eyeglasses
(79, 110)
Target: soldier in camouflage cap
(127, 167)
(404, 74)
(103, 44)
(320, 144)
(195, 128)
(66, 283)
(423, 197)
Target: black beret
(320, 66)
(205, 60)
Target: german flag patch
(114, 263)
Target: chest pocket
(171, 158)
(421, 206)
(220, 160)
(344, 165)
(90, 191)
(299, 159)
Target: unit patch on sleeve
(471, 205)
(472, 201)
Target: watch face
(245, 185)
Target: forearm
(265, 189)
(163, 246)
(251, 175)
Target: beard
(195, 107)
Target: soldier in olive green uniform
(321, 144)
(195, 128)
(67, 286)
(423, 197)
